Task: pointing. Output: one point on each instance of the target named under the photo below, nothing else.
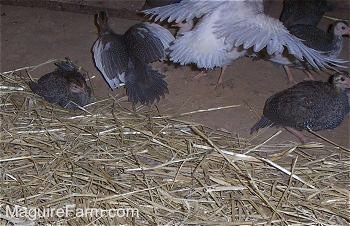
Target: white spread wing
(246, 25)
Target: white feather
(227, 23)
(202, 47)
(160, 32)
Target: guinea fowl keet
(125, 58)
(301, 19)
(65, 86)
(314, 105)
(227, 29)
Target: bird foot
(308, 79)
(310, 76)
(292, 82)
(219, 83)
(200, 75)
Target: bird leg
(298, 134)
(290, 76)
(309, 75)
(219, 82)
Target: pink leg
(219, 82)
(298, 134)
(309, 75)
(289, 75)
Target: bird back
(307, 12)
(314, 104)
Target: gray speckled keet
(64, 86)
(125, 58)
(310, 104)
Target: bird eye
(342, 79)
(343, 28)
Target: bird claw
(200, 75)
(308, 79)
(292, 82)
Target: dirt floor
(30, 36)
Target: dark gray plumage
(308, 12)
(302, 17)
(310, 104)
(124, 58)
(65, 86)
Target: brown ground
(30, 36)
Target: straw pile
(171, 171)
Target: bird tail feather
(143, 84)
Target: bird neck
(337, 42)
(341, 89)
(104, 29)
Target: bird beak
(348, 32)
(348, 83)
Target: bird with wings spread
(226, 29)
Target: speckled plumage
(310, 104)
(329, 42)
(55, 87)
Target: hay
(171, 171)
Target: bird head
(341, 80)
(101, 21)
(341, 28)
(77, 84)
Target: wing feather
(148, 42)
(249, 24)
(111, 59)
(184, 10)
